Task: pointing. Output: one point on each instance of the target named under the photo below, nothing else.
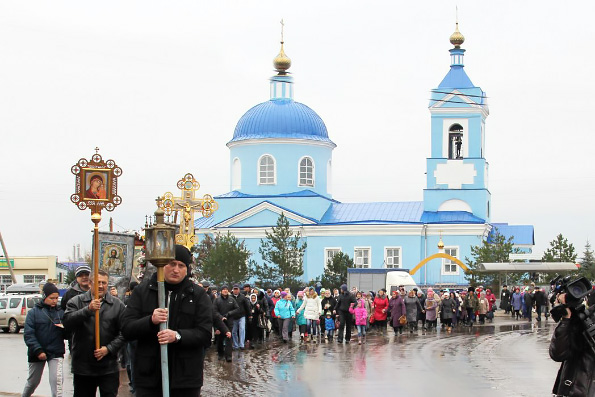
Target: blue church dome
(281, 119)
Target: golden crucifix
(187, 205)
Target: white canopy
(510, 267)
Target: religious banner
(116, 254)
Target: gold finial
(457, 38)
(282, 61)
(440, 243)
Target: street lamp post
(160, 250)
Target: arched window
(306, 172)
(236, 174)
(455, 142)
(266, 170)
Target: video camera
(576, 291)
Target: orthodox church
(281, 162)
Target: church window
(449, 267)
(362, 257)
(236, 174)
(455, 142)
(266, 170)
(306, 172)
(392, 257)
(329, 253)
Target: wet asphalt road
(506, 358)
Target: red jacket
(379, 305)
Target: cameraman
(569, 346)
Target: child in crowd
(360, 313)
(329, 325)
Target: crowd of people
(237, 318)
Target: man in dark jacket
(227, 308)
(569, 346)
(189, 318)
(505, 299)
(44, 336)
(93, 368)
(540, 302)
(345, 318)
(238, 332)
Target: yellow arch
(438, 255)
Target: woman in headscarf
(397, 309)
(431, 308)
(412, 305)
(312, 309)
(380, 310)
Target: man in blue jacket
(44, 336)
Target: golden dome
(457, 38)
(440, 244)
(282, 61)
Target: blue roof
(281, 119)
(383, 212)
(522, 234)
(456, 78)
(299, 193)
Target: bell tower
(457, 171)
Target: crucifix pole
(96, 218)
(14, 278)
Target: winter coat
(311, 307)
(344, 302)
(42, 335)
(569, 347)
(274, 305)
(447, 308)
(540, 298)
(412, 305)
(421, 315)
(517, 301)
(397, 309)
(471, 302)
(360, 312)
(431, 308)
(300, 319)
(528, 300)
(491, 299)
(79, 320)
(284, 309)
(328, 304)
(484, 305)
(73, 291)
(227, 307)
(504, 299)
(329, 323)
(379, 305)
(190, 314)
(243, 304)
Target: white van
(399, 277)
(13, 311)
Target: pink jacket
(360, 312)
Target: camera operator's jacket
(576, 375)
(190, 314)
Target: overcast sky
(159, 87)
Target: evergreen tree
(224, 260)
(560, 251)
(282, 254)
(200, 252)
(335, 272)
(496, 249)
(588, 263)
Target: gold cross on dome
(187, 204)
